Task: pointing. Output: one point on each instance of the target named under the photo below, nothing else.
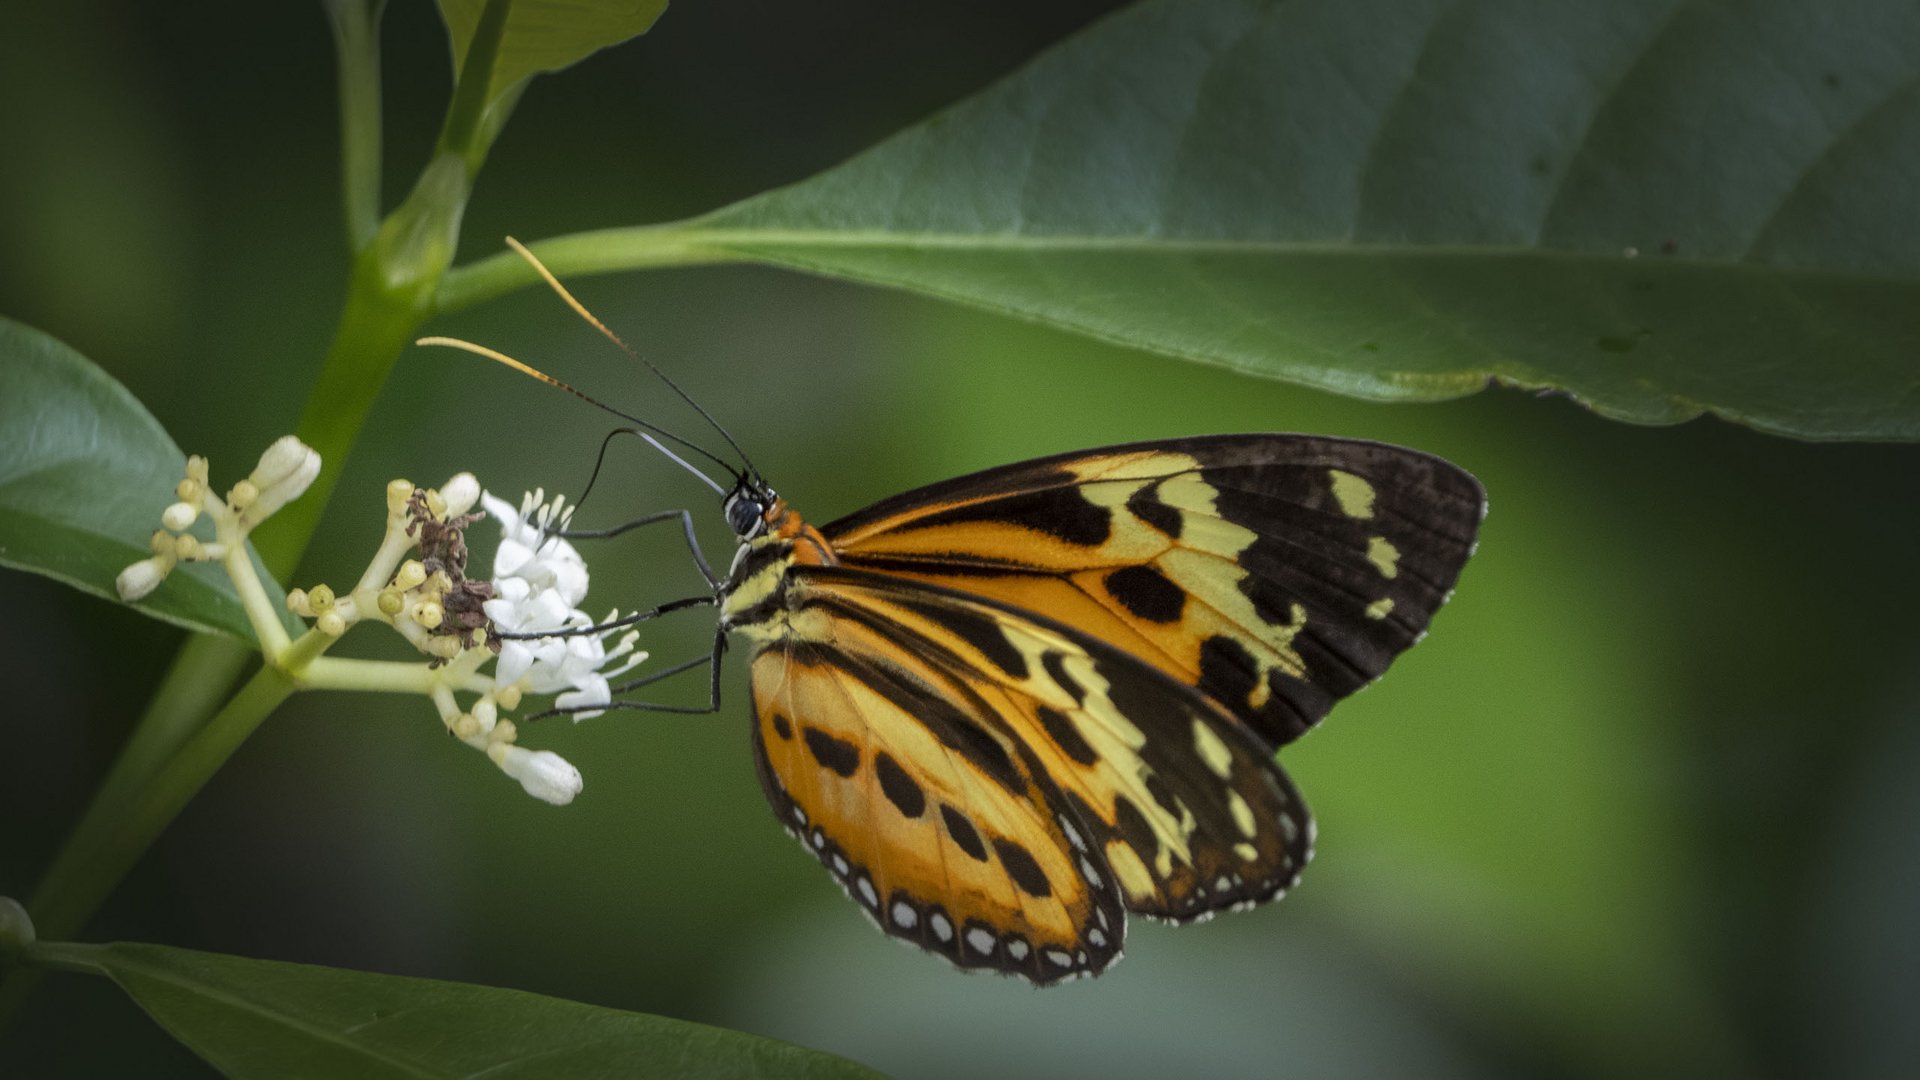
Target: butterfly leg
(686, 527)
(710, 660)
(614, 624)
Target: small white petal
(515, 659)
(544, 774)
(510, 557)
(592, 690)
(140, 579)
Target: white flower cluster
(538, 583)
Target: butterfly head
(749, 507)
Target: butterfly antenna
(581, 310)
(534, 372)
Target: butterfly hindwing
(929, 812)
(1158, 791)
(1274, 573)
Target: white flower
(544, 774)
(539, 579)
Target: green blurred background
(1643, 803)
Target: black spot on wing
(1145, 504)
(900, 788)
(1066, 735)
(1146, 592)
(1060, 511)
(1056, 668)
(1228, 672)
(963, 833)
(832, 753)
(781, 726)
(1021, 867)
(976, 630)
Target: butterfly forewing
(1274, 573)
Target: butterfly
(1009, 710)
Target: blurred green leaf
(1662, 207)
(85, 471)
(266, 1018)
(547, 35)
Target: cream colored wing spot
(1383, 555)
(1380, 608)
(1134, 879)
(1213, 752)
(1354, 495)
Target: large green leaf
(271, 1019)
(547, 35)
(85, 471)
(1662, 207)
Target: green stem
(473, 93)
(600, 251)
(70, 956)
(356, 35)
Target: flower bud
(287, 455)
(460, 494)
(392, 601)
(398, 492)
(243, 494)
(141, 578)
(428, 614)
(320, 598)
(411, 574)
(180, 516)
(284, 473)
(544, 774)
(331, 624)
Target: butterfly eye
(745, 514)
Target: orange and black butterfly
(1007, 710)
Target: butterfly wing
(1008, 774)
(1274, 573)
(914, 792)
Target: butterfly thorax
(753, 601)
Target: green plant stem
(474, 92)
(597, 252)
(356, 35)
